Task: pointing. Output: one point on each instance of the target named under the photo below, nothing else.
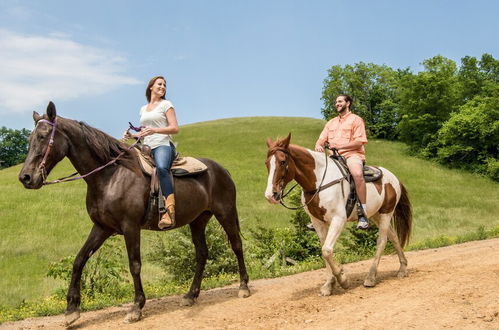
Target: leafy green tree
(373, 88)
(426, 101)
(13, 146)
(470, 138)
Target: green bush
(174, 252)
(104, 273)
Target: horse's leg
(383, 226)
(321, 230)
(392, 236)
(96, 237)
(198, 227)
(230, 224)
(334, 231)
(132, 241)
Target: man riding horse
(347, 134)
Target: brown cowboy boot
(168, 219)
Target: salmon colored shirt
(343, 130)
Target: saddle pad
(183, 166)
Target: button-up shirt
(343, 130)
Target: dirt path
(456, 287)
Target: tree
(426, 101)
(372, 88)
(13, 146)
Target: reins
(71, 177)
(316, 191)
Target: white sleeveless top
(156, 118)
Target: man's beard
(342, 109)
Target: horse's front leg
(334, 231)
(96, 237)
(132, 241)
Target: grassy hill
(42, 226)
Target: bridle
(314, 192)
(71, 177)
(41, 167)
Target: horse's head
(46, 149)
(280, 166)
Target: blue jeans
(163, 157)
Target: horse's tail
(402, 218)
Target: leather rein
(71, 177)
(315, 191)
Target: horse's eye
(283, 162)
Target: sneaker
(310, 227)
(363, 223)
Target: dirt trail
(456, 287)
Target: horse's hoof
(402, 273)
(187, 301)
(369, 282)
(344, 282)
(243, 293)
(133, 316)
(326, 292)
(71, 318)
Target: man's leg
(355, 165)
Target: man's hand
(319, 148)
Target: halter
(315, 192)
(41, 167)
(71, 177)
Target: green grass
(42, 226)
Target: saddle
(181, 167)
(371, 174)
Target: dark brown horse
(118, 197)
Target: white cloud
(35, 69)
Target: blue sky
(222, 59)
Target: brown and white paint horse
(387, 199)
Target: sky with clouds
(222, 59)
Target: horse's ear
(51, 113)
(269, 142)
(286, 141)
(36, 116)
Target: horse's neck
(80, 154)
(314, 168)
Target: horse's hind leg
(230, 223)
(383, 226)
(198, 227)
(392, 236)
(96, 237)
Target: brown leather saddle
(371, 174)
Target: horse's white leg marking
(384, 226)
(392, 236)
(321, 230)
(270, 179)
(333, 233)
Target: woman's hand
(126, 135)
(146, 131)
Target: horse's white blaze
(270, 179)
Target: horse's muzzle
(275, 198)
(29, 181)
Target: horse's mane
(104, 147)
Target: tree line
(444, 112)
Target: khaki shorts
(355, 162)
